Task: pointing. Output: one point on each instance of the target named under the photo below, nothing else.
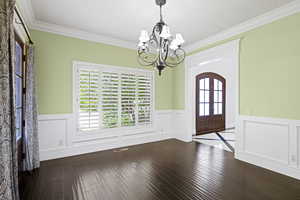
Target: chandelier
(160, 49)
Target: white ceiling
(123, 19)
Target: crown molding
(26, 9)
(276, 14)
(75, 33)
(25, 6)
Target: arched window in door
(210, 103)
(218, 97)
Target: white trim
(268, 164)
(75, 62)
(228, 50)
(164, 112)
(104, 144)
(33, 23)
(280, 153)
(63, 141)
(83, 35)
(119, 131)
(273, 15)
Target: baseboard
(268, 164)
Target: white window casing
(112, 100)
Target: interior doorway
(210, 103)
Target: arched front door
(210, 103)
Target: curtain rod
(23, 24)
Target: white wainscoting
(270, 143)
(58, 139)
(180, 126)
(266, 142)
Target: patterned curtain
(31, 130)
(8, 146)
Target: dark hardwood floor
(170, 170)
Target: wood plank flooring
(167, 170)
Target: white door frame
(228, 50)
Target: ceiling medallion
(160, 49)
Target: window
(19, 75)
(218, 97)
(112, 97)
(204, 97)
(210, 94)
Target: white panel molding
(58, 139)
(172, 124)
(180, 125)
(276, 14)
(270, 143)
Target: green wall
(54, 56)
(269, 70)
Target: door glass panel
(201, 84)
(216, 96)
(220, 99)
(215, 108)
(206, 109)
(201, 97)
(220, 110)
(206, 97)
(216, 84)
(220, 85)
(201, 109)
(206, 84)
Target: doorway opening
(211, 111)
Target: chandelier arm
(179, 60)
(143, 53)
(145, 62)
(150, 64)
(166, 46)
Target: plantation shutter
(110, 99)
(144, 96)
(128, 99)
(89, 104)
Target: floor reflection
(223, 140)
